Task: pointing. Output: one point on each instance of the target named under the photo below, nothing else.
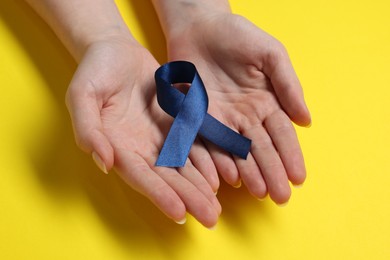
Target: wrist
(79, 24)
(114, 34)
(177, 17)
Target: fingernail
(181, 222)
(99, 162)
(309, 125)
(237, 185)
(261, 199)
(216, 192)
(298, 186)
(213, 227)
(282, 205)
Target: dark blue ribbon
(191, 118)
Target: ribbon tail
(224, 137)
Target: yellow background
(55, 204)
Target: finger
(197, 204)
(278, 68)
(191, 188)
(270, 164)
(138, 175)
(251, 176)
(87, 125)
(202, 161)
(195, 177)
(286, 142)
(225, 165)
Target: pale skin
(112, 103)
(252, 88)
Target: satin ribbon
(191, 118)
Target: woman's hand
(116, 117)
(114, 111)
(253, 89)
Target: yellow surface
(55, 204)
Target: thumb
(285, 82)
(84, 109)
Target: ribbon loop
(191, 118)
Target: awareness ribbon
(191, 118)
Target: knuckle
(200, 160)
(277, 52)
(80, 142)
(273, 167)
(279, 122)
(283, 127)
(262, 144)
